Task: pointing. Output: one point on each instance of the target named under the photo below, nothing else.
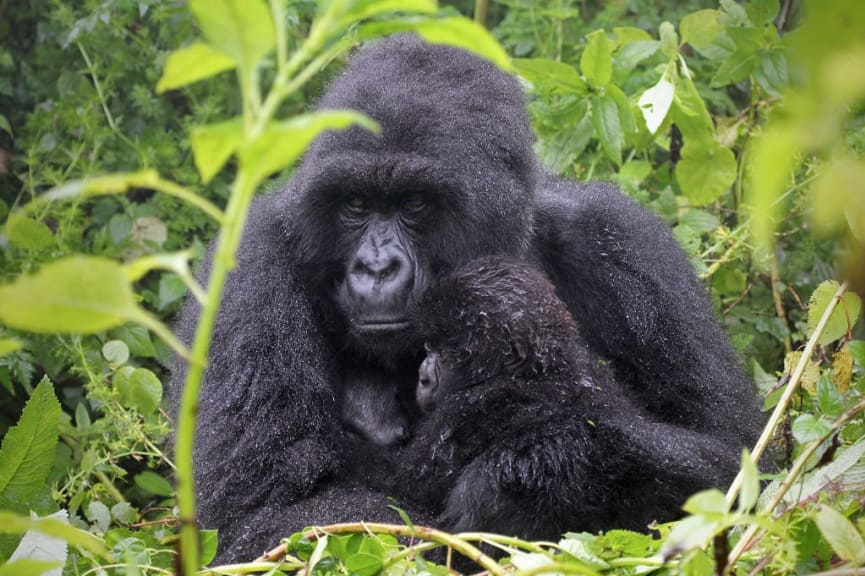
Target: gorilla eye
(357, 204)
(413, 205)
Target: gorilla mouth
(382, 325)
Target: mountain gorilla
(527, 431)
(329, 269)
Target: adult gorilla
(329, 268)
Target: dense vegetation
(741, 125)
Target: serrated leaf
(809, 428)
(842, 369)
(9, 345)
(28, 233)
(596, 61)
(550, 76)
(283, 142)
(700, 28)
(27, 451)
(605, 118)
(213, 144)
(191, 64)
(655, 102)
(584, 552)
(841, 535)
(705, 172)
(124, 513)
(78, 294)
(153, 483)
(98, 514)
(844, 316)
(241, 29)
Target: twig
(779, 304)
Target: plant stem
(481, 11)
(781, 408)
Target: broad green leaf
(608, 127)
(78, 294)
(140, 389)
(28, 233)
(735, 69)
(153, 483)
(209, 545)
(119, 227)
(549, 75)
(761, 12)
(137, 338)
(689, 533)
(843, 317)
(623, 105)
(11, 523)
(213, 144)
(99, 514)
(841, 535)
(629, 34)
(27, 451)
(363, 564)
(28, 567)
(191, 64)
(772, 73)
(845, 461)
(171, 289)
(583, 550)
(635, 171)
(655, 103)
(690, 114)
(363, 9)
(700, 28)
(828, 398)
(116, 352)
(809, 428)
(705, 172)
(241, 29)
(700, 221)
(283, 142)
(124, 513)
(750, 490)
(627, 58)
(9, 345)
(708, 502)
(596, 62)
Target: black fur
(272, 454)
(531, 434)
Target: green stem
(795, 377)
(481, 11)
(229, 238)
(106, 482)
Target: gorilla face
(383, 273)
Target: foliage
(741, 125)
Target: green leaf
(363, 564)
(700, 28)
(761, 12)
(772, 72)
(596, 62)
(9, 345)
(550, 76)
(689, 533)
(5, 125)
(11, 523)
(734, 69)
(843, 317)
(153, 483)
(608, 127)
(209, 545)
(141, 390)
(137, 338)
(627, 58)
(690, 114)
(241, 29)
(623, 105)
(283, 142)
(27, 451)
(28, 233)
(124, 513)
(28, 567)
(583, 550)
(79, 294)
(841, 535)
(669, 39)
(708, 502)
(828, 398)
(629, 34)
(705, 172)
(656, 101)
(213, 144)
(364, 9)
(467, 34)
(750, 491)
(99, 514)
(809, 428)
(119, 227)
(772, 158)
(116, 352)
(700, 221)
(191, 64)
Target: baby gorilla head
(492, 318)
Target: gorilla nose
(380, 278)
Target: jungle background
(742, 125)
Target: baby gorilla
(526, 430)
